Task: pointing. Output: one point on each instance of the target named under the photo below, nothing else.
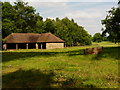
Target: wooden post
(36, 46)
(16, 46)
(41, 45)
(27, 46)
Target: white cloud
(50, 5)
(88, 15)
(37, 0)
(46, 4)
(63, 0)
(82, 14)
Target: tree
(112, 25)
(39, 27)
(71, 32)
(21, 18)
(8, 23)
(25, 17)
(97, 37)
(0, 12)
(49, 26)
(105, 38)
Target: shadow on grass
(40, 79)
(108, 52)
(28, 79)
(9, 56)
(76, 52)
(36, 79)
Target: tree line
(22, 18)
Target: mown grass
(62, 68)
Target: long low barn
(32, 41)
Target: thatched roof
(31, 38)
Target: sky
(86, 13)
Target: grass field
(62, 68)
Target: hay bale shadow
(108, 52)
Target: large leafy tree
(8, 23)
(112, 25)
(0, 22)
(25, 17)
(49, 26)
(71, 32)
(97, 37)
(22, 18)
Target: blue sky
(87, 13)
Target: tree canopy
(112, 25)
(97, 37)
(22, 18)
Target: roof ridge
(32, 33)
(24, 33)
(32, 37)
(8, 36)
(56, 37)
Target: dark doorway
(22, 46)
(39, 45)
(31, 45)
(11, 46)
(43, 45)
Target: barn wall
(54, 45)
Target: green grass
(62, 68)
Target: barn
(32, 41)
